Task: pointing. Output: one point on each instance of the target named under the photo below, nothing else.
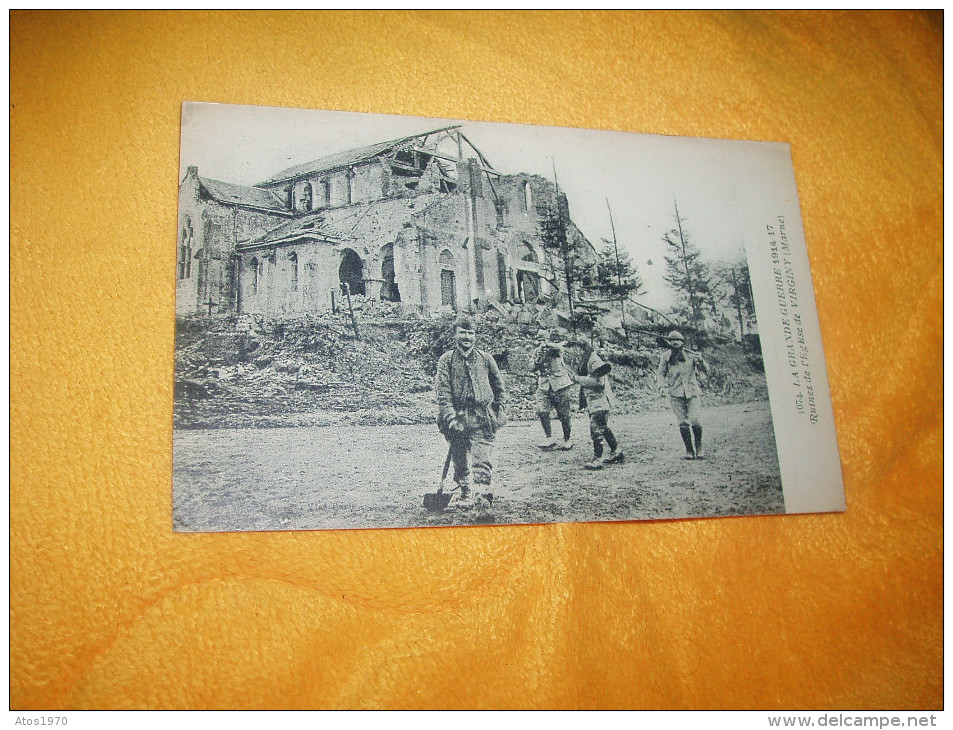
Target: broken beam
(458, 161)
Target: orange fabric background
(110, 609)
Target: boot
(464, 488)
(686, 432)
(546, 423)
(615, 456)
(699, 452)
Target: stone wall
(215, 230)
(290, 279)
(361, 183)
(462, 248)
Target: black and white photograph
(390, 321)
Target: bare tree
(688, 275)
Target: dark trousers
(601, 433)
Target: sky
(640, 177)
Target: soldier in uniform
(553, 390)
(593, 380)
(470, 398)
(677, 377)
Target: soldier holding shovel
(470, 397)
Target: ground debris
(249, 372)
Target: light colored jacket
(552, 372)
(598, 391)
(680, 378)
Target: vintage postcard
(388, 321)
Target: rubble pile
(246, 372)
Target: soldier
(593, 379)
(677, 377)
(470, 399)
(553, 390)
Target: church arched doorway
(389, 290)
(448, 279)
(351, 272)
(527, 274)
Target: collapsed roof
(403, 154)
(223, 192)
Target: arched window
(325, 192)
(293, 258)
(201, 265)
(185, 250)
(255, 274)
(527, 197)
(307, 198)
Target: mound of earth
(319, 371)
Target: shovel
(436, 501)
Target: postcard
(390, 321)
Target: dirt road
(376, 476)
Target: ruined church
(424, 220)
